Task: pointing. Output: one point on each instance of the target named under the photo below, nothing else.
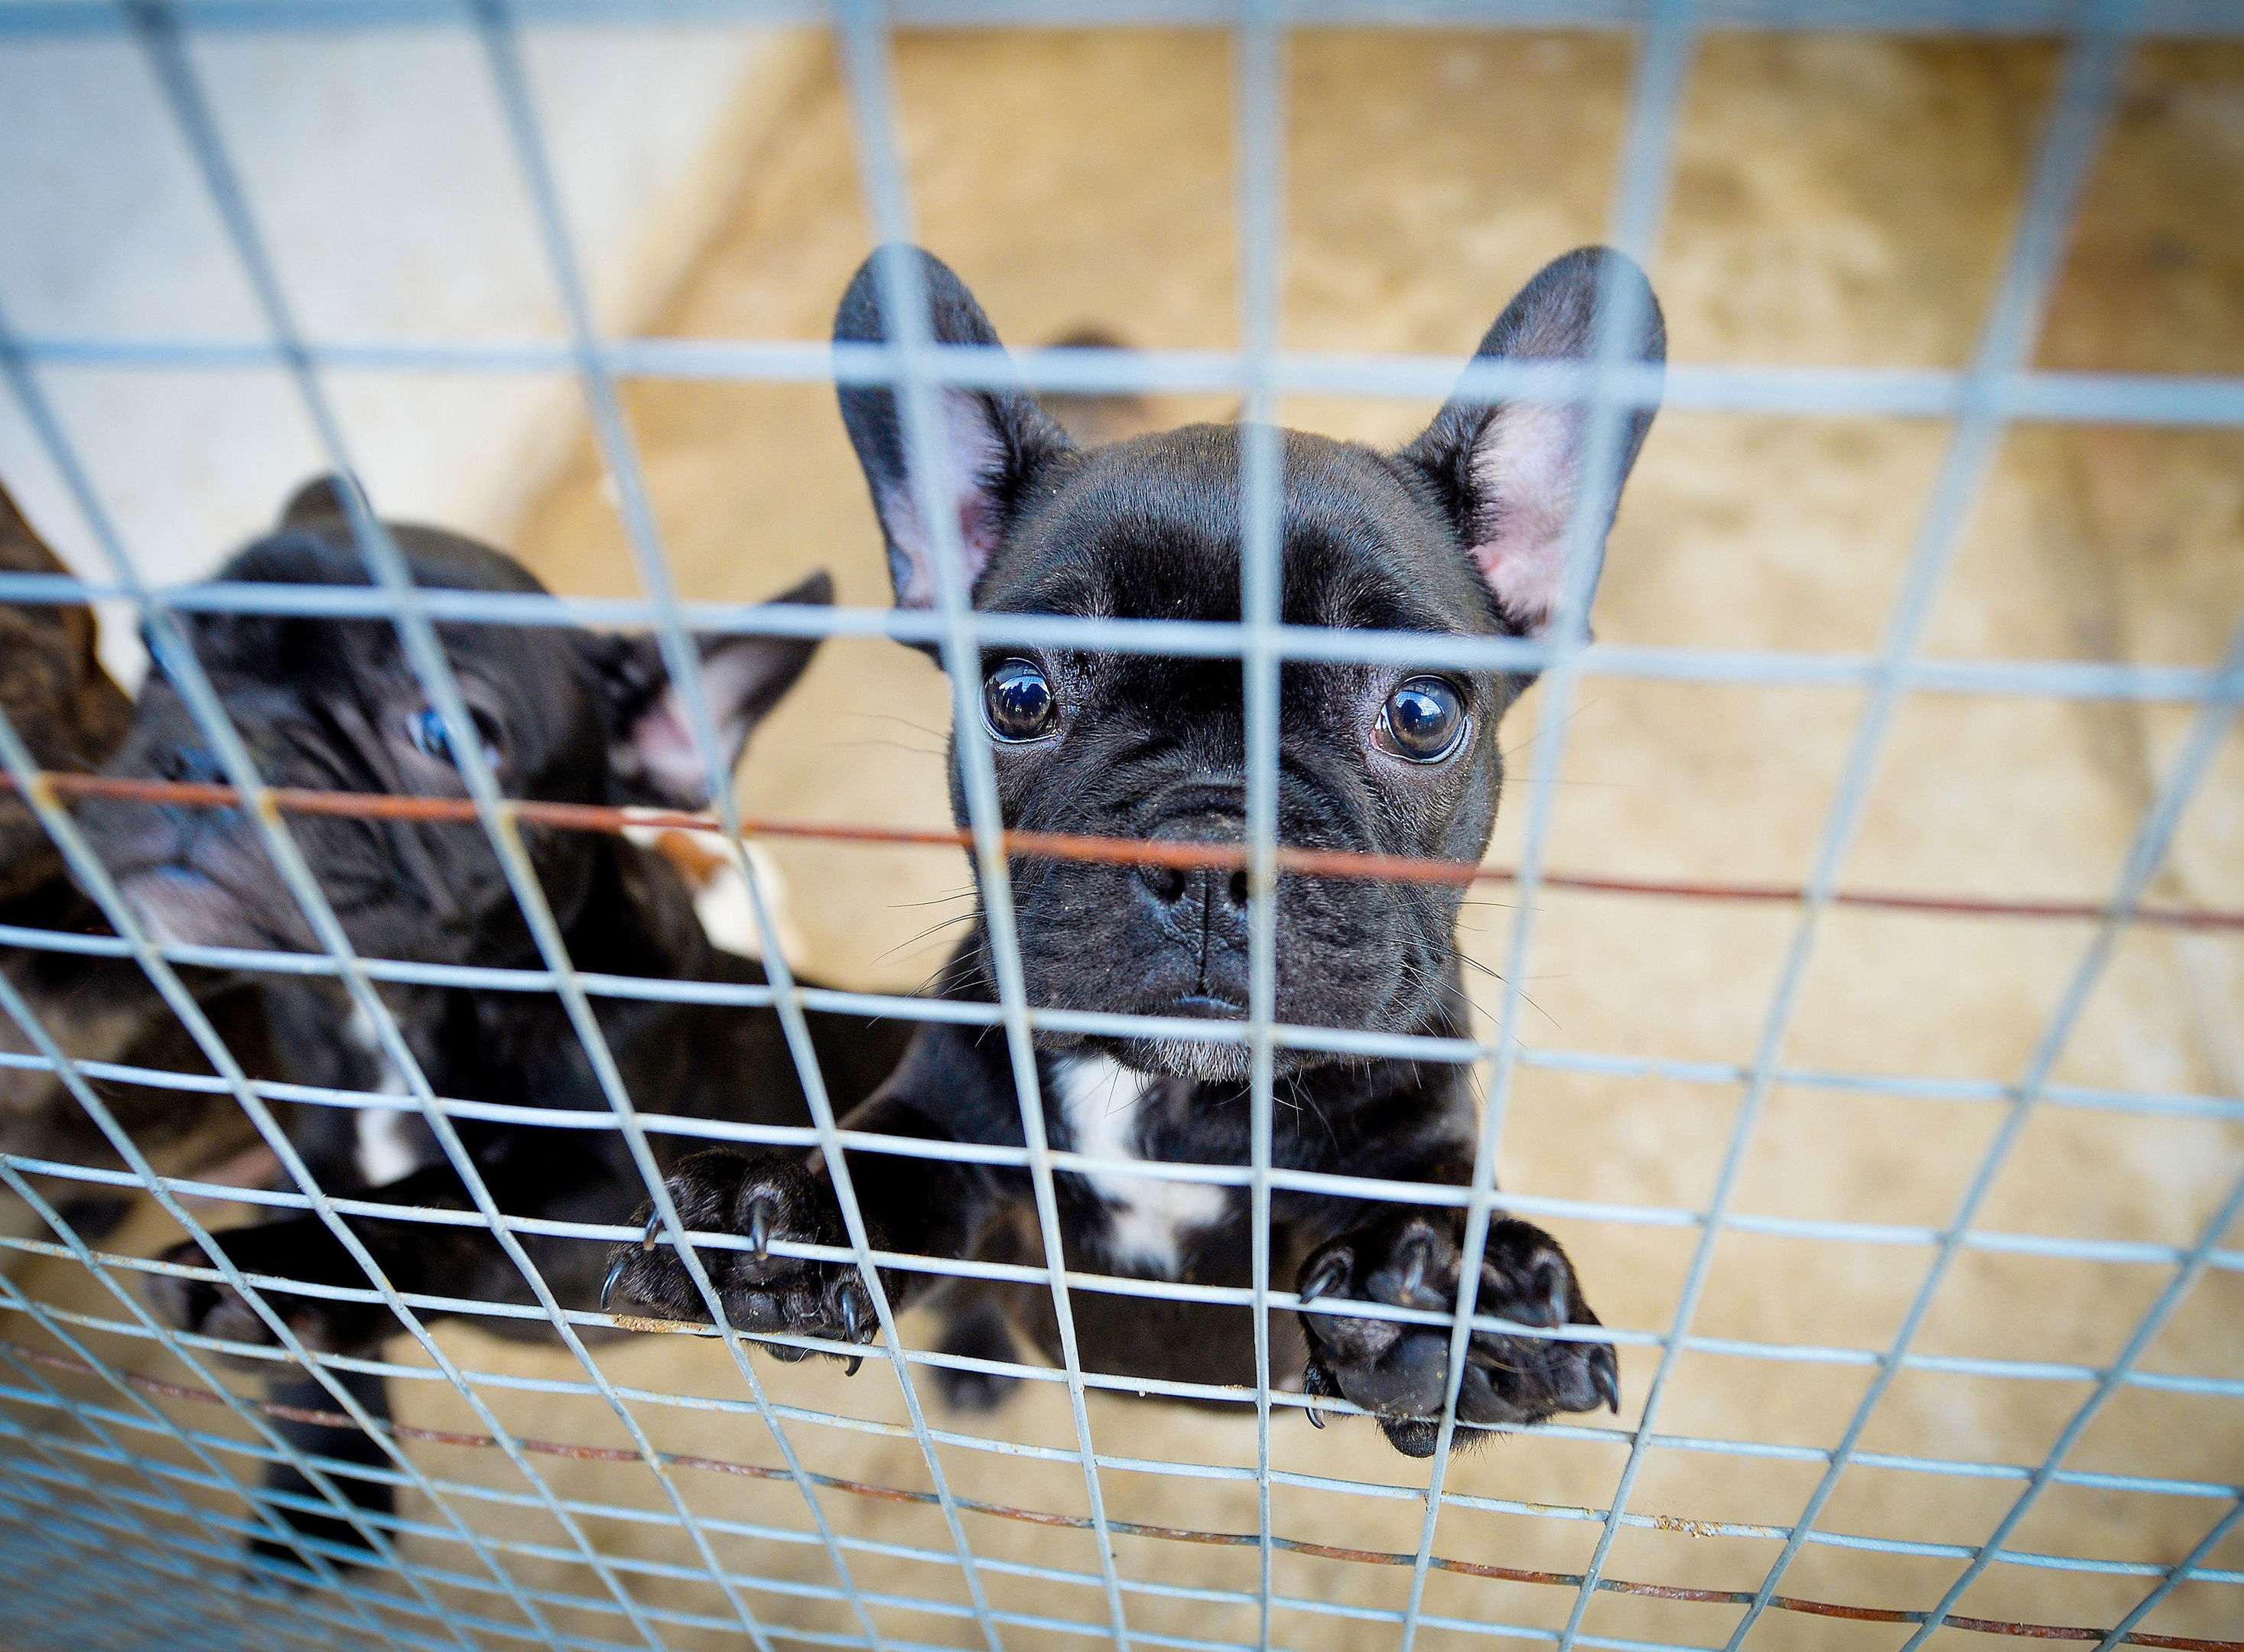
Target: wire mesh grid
(115, 1541)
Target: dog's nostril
(1167, 883)
(189, 764)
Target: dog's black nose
(189, 765)
(1205, 908)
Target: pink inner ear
(665, 749)
(1524, 467)
(974, 454)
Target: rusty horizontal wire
(1117, 851)
(158, 1386)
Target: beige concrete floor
(1836, 200)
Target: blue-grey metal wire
(2041, 19)
(253, 1629)
(621, 455)
(1655, 95)
(427, 656)
(1260, 71)
(1996, 388)
(12, 1003)
(18, 762)
(2176, 1576)
(272, 1527)
(905, 307)
(167, 59)
(2082, 103)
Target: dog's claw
(653, 1227)
(1605, 1375)
(760, 1222)
(1414, 1275)
(615, 1273)
(850, 1365)
(1316, 1417)
(852, 1321)
(1327, 1274)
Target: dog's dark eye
(425, 728)
(1424, 719)
(1019, 701)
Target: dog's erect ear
(993, 440)
(320, 500)
(651, 756)
(1511, 473)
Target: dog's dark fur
(1460, 533)
(568, 717)
(69, 713)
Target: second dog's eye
(425, 728)
(1018, 703)
(1424, 719)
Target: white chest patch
(1150, 1215)
(384, 1152)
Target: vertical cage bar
(908, 336)
(93, 1488)
(167, 55)
(2081, 111)
(1260, 48)
(502, 48)
(2174, 1579)
(2145, 1332)
(1662, 71)
(179, 665)
(94, 878)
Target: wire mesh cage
(1858, 1000)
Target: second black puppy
(1462, 533)
(564, 716)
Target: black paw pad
(1400, 1370)
(762, 1201)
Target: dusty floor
(1834, 201)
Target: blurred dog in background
(563, 715)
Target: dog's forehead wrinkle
(1149, 530)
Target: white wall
(389, 192)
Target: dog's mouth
(1205, 1006)
(182, 906)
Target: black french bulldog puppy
(1461, 533)
(565, 715)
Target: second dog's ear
(651, 754)
(320, 500)
(993, 440)
(1511, 474)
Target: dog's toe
(772, 1203)
(1399, 1370)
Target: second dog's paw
(977, 1332)
(283, 1249)
(1400, 1372)
(759, 1200)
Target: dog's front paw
(759, 1200)
(298, 1249)
(1400, 1372)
